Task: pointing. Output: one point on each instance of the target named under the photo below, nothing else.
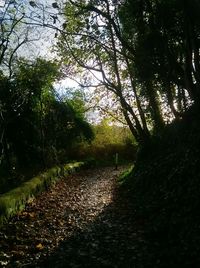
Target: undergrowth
(164, 187)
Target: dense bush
(109, 140)
(37, 130)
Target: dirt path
(79, 222)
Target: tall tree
(164, 35)
(145, 52)
(91, 41)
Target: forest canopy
(136, 64)
(141, 56)
(144, 53)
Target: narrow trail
(81, 221)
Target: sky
(61, 85)
(44, 46)
(2, 3)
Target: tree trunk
(42, 133)
(190, 51)
(6, 154)
(137, 130)
(155, 108)
(170, 100)
(139, 106)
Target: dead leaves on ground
(70, 206)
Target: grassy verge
(15, 200)
(125, 175)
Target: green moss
(15, 200)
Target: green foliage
(37, 130)
(147, 53)
(108, 140)
(76, 100)
(108, 133)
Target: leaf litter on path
(78, 222)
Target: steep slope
(164, 187)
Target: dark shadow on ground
(114, 239)
(117, 238)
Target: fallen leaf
(31, 215)
(40, 246)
